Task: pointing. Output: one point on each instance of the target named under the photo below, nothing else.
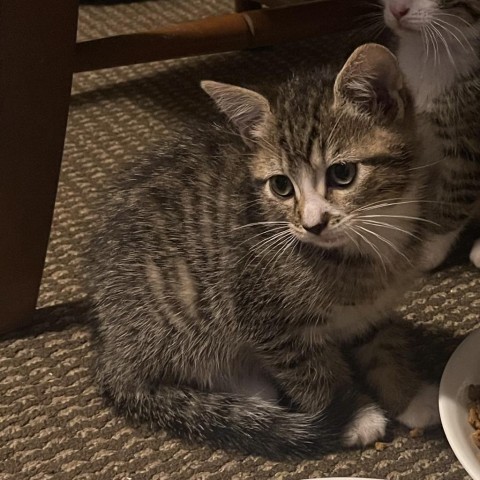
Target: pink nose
(399, 12)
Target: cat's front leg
(435, 250)
(475, 251)
(387, 364)
(316, 379)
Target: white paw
(367, 427)
(433, 259)
(423, 409)
(475, 253)
(436, 250)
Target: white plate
(462, 369)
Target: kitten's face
(457, 20)
(334, 181)
(334, 157)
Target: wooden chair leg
(36, 63)
(248, 29)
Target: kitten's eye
(281, 186)
(341, 175)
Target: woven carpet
(53, 423)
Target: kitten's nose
(319, 227)
(399, 11)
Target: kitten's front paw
(435, 251)
(432, 260)
(422, 411)
(367, 427)
(475, 253)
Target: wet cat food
(474, 412)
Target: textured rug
(53, 423)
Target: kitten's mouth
(326, 239)
(329, 238)
(407, 28)
(401, 26)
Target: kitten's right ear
(371, 80)
(246, 109)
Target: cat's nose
(399, 11)
(319, 227)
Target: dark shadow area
(108, 2)
(174, 86)
(55, 319)
(461, 250)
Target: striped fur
(222, 328)
(439, 52)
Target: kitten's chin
(325, 240)
(403, 28)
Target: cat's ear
(371, 80)
(246, 109)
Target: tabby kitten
(439, 53)
(242, 279)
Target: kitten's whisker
(257, 200)
(377, 30)
(376, 202)
(406, 217)
(435, 46)
(274, 243)
(427, 165)
(353, 240)
(429, 40)
(268, 242)
(433, 38)
(247, 205)
(387, 242)
(386, 203)
(374, 5)
(372, 17)
(434, 35)
(389, 226)
(266, 232)
(445, 25)
(288, 243)
(296, 241)
(434, 26)
(425, 42)
(391, 204)
(372, 246)
(377, 15)
(260, 223)
(444, 14)
(370, 20)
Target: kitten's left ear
(246, 109)
(371, 80)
